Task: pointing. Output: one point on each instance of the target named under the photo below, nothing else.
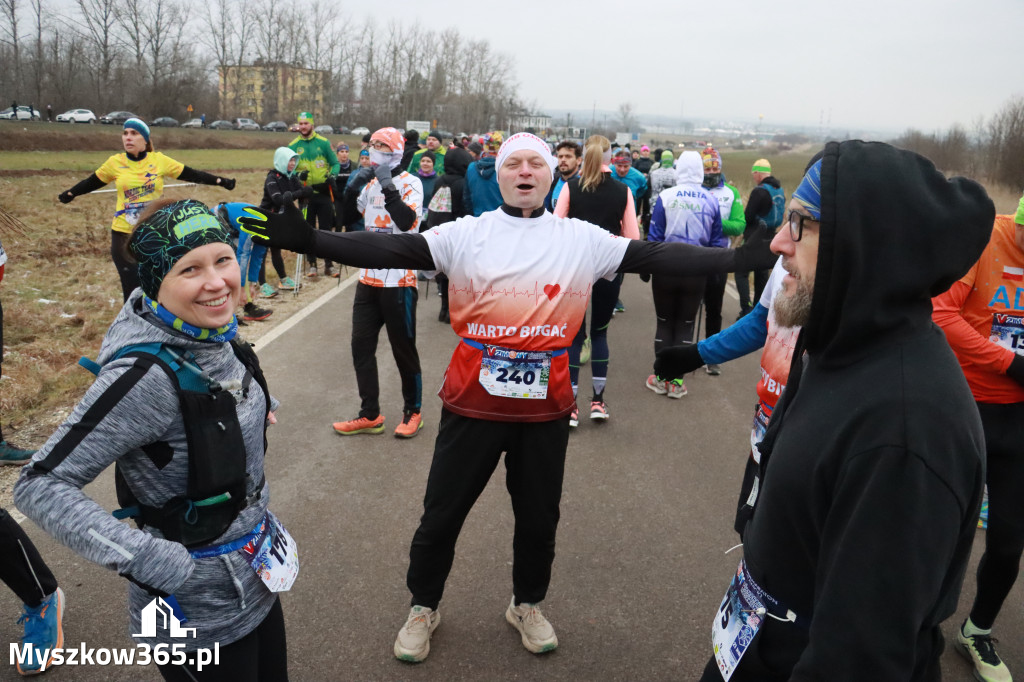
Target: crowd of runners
(885, 300)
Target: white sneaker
(537, 633)
(675, 388)
(656, 385)
(982, 655)
(413, 641)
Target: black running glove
(675, 361)
(756, 253)
(302, 175)
(287, 230)
(66, 197)
(645, 277)
(227, 183)
(1016, 369)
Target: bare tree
(99, 19)
(9, 9)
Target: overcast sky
(877, 64)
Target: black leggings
(676, 301)
(466, 454)
(260, 655)
(714, 294)
(21, 567)
(1004, 539)
(278, 262)
(602, 304)
(126, 270)
(320, 215)
(395, 309)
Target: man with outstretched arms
(519, 286)
(876, 423)
(319, 162)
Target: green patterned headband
(170, 233)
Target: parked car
(324, 130)
(276, 127)
(24, 113)
(76, 116)
(343, 130)
(293, 128)
(193, 123)
(222, 125)
(165, 122)
(117, 117)
(361, 130)
(244, 124)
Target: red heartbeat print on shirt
(549, 291)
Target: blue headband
(138, 126)
(808, 194)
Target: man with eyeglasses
(876, 424)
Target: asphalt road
(646, 518)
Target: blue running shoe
(43, 631)
(10, 454)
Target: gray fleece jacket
(222, 597)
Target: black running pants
(260, 656)
(676, 301)
(21, 567)
(1004, 539)
(127, 271)
(395, 309)
(466, 453)
(603, 296)
(320, 215)
(714, 295)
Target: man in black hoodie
(876, 423)
(764, 210)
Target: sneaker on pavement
(713, 369)
(585, 352)
(12, 455)
(329, 271)
(537, 633)
(619, 307)
(43, 631)
(252, 313)
(411, 424)
(657, 385)
(413, 641)
(267, 291)
(286, 283)
(980, 652)
(360, 425)
(598, 408)
(676, 388)
(311, 273)
(574, 417)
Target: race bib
(273, 555)
(1008, 332)
(737, 621)
(515, 373)
(757, 432)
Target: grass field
(60, 290)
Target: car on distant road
(276, 127)
(165, 122)
(244, 124)
(193, 123)
(115, 117)
(76, 116)
(324, 130)
(23, 114)
(222, 125)
(343, 130)
(361, 130)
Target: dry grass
(60, 292)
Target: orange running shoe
(411, 424)
(360, 425)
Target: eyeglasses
(379, 146)
(796, 224)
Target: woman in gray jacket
(181, 409)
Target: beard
(794, 310)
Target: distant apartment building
(537, 122)
(270, 92)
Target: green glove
(288, 230)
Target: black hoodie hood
(457, 161)
(894, 233)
